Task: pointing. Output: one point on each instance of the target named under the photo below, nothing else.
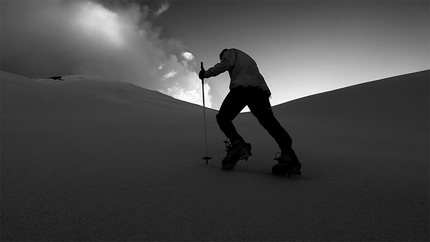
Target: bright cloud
(170, 74)
(191, 94)
(94, 19)
(188, 56)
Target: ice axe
(204, 116)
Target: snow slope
(89, 159)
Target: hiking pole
(204, 117)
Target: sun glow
(97, 20)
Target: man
(248, 88)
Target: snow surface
(89, 159)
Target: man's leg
(260, 107)
(230, 108)
(233, 103)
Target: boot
(287, 164)
(235, 152)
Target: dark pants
(258, 102)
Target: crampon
(286, 168)
(235, 153)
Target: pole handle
(202, 69)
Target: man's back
(242, 68)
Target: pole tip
(206, 158)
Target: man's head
(222, 53)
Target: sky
(301, 47)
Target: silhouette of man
(248, 88)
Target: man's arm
(227, 61)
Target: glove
(202, 74)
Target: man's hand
(202, 74)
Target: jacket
(242, 68)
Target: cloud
(97, 20)
(192, 94)
(188, 56)
(111, 39)
(163, 8)
(170, 74)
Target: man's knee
(221, 118)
